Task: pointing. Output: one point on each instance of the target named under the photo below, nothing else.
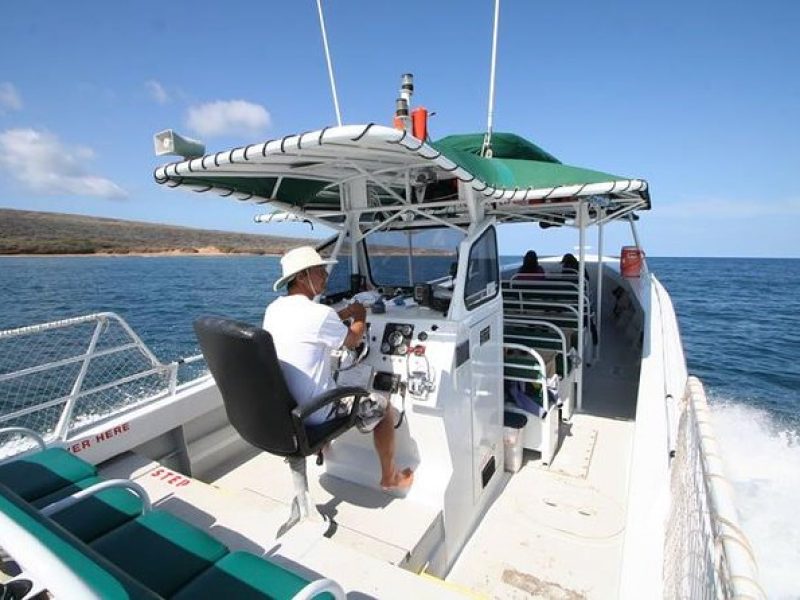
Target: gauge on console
(395, 338)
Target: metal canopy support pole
(352, 196)
(474, 205)
(410, 259)
(337, 247)
(599, 310)
(582, 210)
(352, 222)
(636, 238)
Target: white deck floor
(365, 520)
(557, 533)
(553, 533)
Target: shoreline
(140, 254)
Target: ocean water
(740, 324)
(739, 319)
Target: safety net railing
(706, 554)
(61, 377)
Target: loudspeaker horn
(169, 142)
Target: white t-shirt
(304, 334)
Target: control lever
(419, 382)
(419, 385)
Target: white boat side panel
(130, 429)
(648, 503)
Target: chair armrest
(329, 397)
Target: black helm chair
(259, 405)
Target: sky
(700, 98)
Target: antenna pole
(487, 140)
(330, 65)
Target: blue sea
(739, 318)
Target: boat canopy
(305, 174)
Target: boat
(612, 488)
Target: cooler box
(630, 261)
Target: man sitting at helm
(305, 333)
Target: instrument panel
(396, 339)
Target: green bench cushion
(40, 474)
(245, 576)
(105, 579)
(521, 368)
(96, 515)
(160, 551)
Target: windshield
(403, 258)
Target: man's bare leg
(383, 436)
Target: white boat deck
(245, 519)
(557, 532)
(369, 521)
(553, 533)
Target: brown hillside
(28, 232)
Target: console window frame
(469, 303)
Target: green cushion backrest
(96, 515)
(97, 574)
(160, 551)
(36, 475)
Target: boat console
(443, 377)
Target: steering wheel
(352, 357)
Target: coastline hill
(29, 232)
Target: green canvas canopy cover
(515, 163)
(303, 173)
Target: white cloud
(157, 91)
(228, 117)
(43, 164)
(9, 97)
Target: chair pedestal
(303, 508)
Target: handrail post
(582, 213)
(173, 377)
(599, 310)
(66, 414)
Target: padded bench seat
(36, 475)
(244, 576)
(49, 475)
(96, 515)
(160, 551)
(130, 555)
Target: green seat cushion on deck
(244, 576)
(160, 551)
(102, 577)
(521, 367)
(42, 473)
(96, 515)
(532, 341)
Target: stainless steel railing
(58, 377)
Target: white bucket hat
(297, 260)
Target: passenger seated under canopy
(530, 269)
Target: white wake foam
(762, 460)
